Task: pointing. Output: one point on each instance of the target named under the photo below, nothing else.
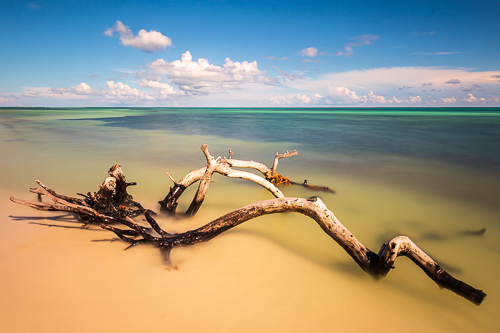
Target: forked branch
(224, 167)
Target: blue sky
(249, 53)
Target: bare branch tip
(171, 178)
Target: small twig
(280, 156)
(171, 178)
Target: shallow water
(432, 177)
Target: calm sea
(432, 174)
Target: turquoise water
(430, 174)
(396, 145)
(461, 136)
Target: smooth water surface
(430, 174)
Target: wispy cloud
(34, 6)
(311, 61)
(288, 76)
(453, 81)
(436, 53)
(276, 58)
(424, 33)
(359, 42)
(147, 41)
(391, 85)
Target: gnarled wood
(109, 207)
(121, 194)
(224, 167)
(377, 265)
(221, 166)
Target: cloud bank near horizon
(185, 79)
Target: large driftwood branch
(223, 167)
(215, 166)
(377, 265)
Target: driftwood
(224, 167)
(113, 208)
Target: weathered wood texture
(223, 167)
(377, 265)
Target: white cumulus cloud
(147, 41)
(343, 95)
(309, 52)
(81, 89)
(197, 82)
(448, 100)
(472, 99)
(164, 90)
(121, 91)
(292, 99)
(201, 78)
(303, 99)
